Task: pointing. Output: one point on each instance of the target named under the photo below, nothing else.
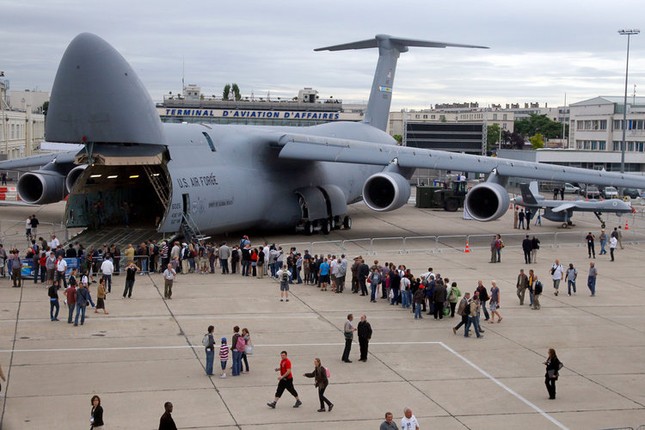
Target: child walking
(223, 357)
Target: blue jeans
(570, 284)
(70, 315)
(591, 283)
(395, 296)
(603, 243)
(237, 363)
(108, 282)
(405, 298)
(373, 286)
(476, 325)
(210, 356)
(474, 321)
(54, 307)
(417, 310)
(144, 265)
(80, 310)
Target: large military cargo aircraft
(182, 178)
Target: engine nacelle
(487, 201)
(41, 187)
(386, 191)
(73, 176)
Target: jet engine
(41, 187)
(386, 191)
(487, 201)
(73, 176)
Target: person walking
(364, 332)
(453, 298)
(482, 294)
(473, 316)
(521, 286)
(169, 277)
(96, 415)
(389, 423)
(70, 296)
(107, 269)
(285, 381)
(553, 366)
(520, 218)
(591, 247)
(130, 276)
(409, 421)
(83, 298)
(348, 331)
(166, 422)
(535, 246)
(603, 241)
(321, 381)
(100, 297)
(54, 305)
(209, 344)
(570, 278)
(591, 278)
(527, 246)
(557, 274)
(494, 303)
(537, 292)
(463, 310)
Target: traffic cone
(626, 226)
(467, 250)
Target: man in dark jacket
(364, 336)
(166, 422)
(439, 297)
(483, 298)
(363, 273)
(527, 246)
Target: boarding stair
(159, 184)
(190, 230)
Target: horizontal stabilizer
(402, 42)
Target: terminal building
(22, 123)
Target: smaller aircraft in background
(562, 210)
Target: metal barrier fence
(12, 233)
(447, 243)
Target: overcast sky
(540, 50)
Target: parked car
(571, 189)
(634, 193)
(592, 192)
(609, 193)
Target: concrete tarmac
(148, 350)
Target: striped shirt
(223, 352)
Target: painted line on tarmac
(506, 388)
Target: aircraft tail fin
(528, 195)
(97, 97)
(378, 106)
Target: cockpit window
(211, 145)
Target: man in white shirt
(107, 268)
(409, 421)
(54, 243)
(61, 268)
(169, 277)
(557, 274)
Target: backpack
(285, 276)
(327, 372)
(240, 344)
(205, 340)
(467, 309)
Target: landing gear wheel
(332, 223)
(565, 225)
(451, 205)
(336, 224)
(326, 226)
(347, 223)
(309, 228)
(602, 225)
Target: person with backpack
(321, 379)
(453, 298)
(238, 345)
(283, 277)
(537, 292)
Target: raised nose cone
(97, 96)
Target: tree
(538, 124)
(398, 138)
(493, 135)
(537, 141)
(512, 140)
(227, 91)
(236, 92)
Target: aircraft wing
(321, 148)
(36, 161)
(564, 207)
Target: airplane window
(211, 145)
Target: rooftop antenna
(183, 72)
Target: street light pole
(627, 33)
